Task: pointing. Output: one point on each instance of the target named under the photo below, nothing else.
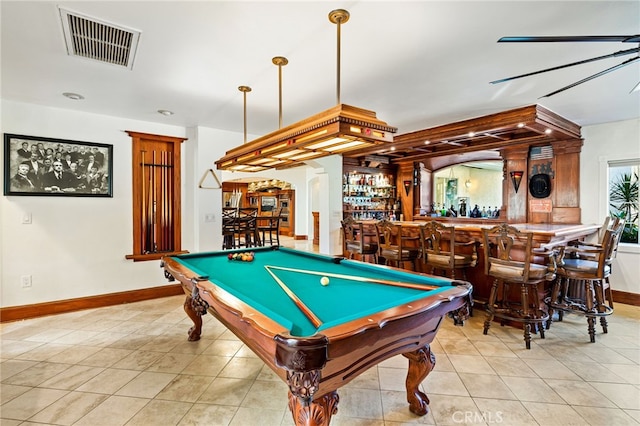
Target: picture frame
(30, 169)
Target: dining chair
(247, 231)
(269, 227)
(229, 227)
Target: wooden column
(316, 228)
(566, 194)
(514, 203)
(423, 192)
(405, 192)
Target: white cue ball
(324, 281)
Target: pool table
(319, 337)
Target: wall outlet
(25, 281)
(209, 217)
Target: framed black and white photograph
(56, 167)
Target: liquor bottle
(463, 208)
(484, 211)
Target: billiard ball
(324, 281)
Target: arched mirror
(459, 189)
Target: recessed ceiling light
(472, 134)
(548, 131)
(393, 148)
(165, 112)
(427, 142)
(520, 125)
(74, 96)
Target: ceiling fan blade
(611, 55)
(548, 39)
(601, 73)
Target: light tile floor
(132, 365)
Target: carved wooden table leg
(196, 330)
(316, 413)
(421, 362)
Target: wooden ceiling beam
(525, 125)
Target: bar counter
(545, 236)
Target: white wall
(76, 246)
(603, 143)
(326, 173)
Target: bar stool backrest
(617, 227)
(352, 234)
(501, 243)
(389, 235)
(432, 235)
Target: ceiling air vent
(101, 41)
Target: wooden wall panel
(566, 215)
(515, 201)
(405, 173)
(567, 173)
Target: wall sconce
(516, 178)
(407, 186)
(467, 183)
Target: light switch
(26, 218)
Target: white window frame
(603, 198)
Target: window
(156, 196)
(623, 196)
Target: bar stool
(617, 225)
(355, 241)
(583, 285)
(503, 244)
(441, 251)
(393, 244)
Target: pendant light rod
(338, 17)
(245, 90)
(280, 61)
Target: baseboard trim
(15, 313)
(626, 298)
(300, 237)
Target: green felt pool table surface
(342, 300)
